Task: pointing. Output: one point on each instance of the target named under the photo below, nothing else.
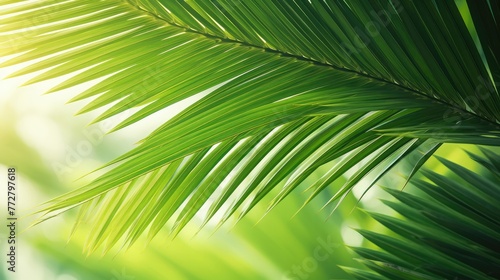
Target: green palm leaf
(280, 88)
(450, 232)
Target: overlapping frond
(452, 232)
(294, 86)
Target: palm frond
(293, 86)
(451, 232)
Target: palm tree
(276, 88)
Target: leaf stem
(319, 63)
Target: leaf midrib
(315, 62)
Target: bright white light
(350, 236)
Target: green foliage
(452, 231)
(280, 88)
